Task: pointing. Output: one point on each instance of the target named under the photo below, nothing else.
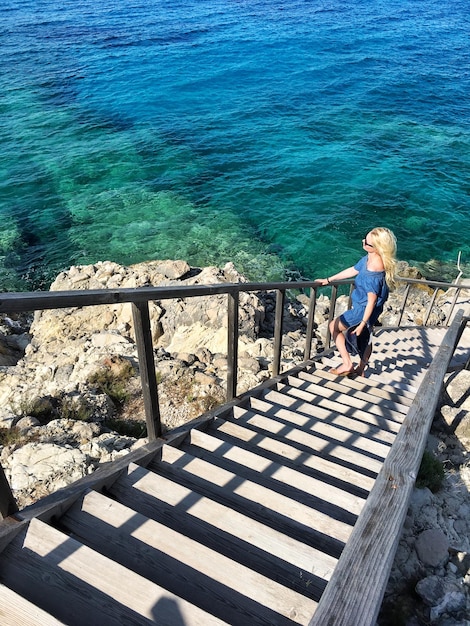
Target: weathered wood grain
(265, 548)
(17, 611)
(381, 390)
(200, 575)
(275, 421)
(283, 452)
(268, 473)
(80, 586)
(301, 413)
(248, 494)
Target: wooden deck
(241, 519)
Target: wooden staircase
(240, 519)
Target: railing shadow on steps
(139, 299)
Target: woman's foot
(342, 370)
(360, 369)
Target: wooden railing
(139, 299)
(355, 591)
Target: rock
(249, 364)
(442, 595)
(174, 270)
(107, 447)
(432, 547)
(26, 423)
(49, 463)
(457, 389)
(204, 379)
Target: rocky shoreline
(70, 400)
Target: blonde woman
(374, 277)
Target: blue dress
(366, 282)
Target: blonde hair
(385, 244)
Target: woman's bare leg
(365, 359)
(337, 329)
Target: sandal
(346, 373)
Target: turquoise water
(273, 134)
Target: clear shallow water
(273, 134)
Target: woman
(375, 275)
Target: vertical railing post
(8, 504)
(310, 323)
(331, 317)
(351, 289)
(232, 345)
(143, 337)
(452, 306)
(403, 304)
(429, 310)
(280, 298)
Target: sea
(273, 134)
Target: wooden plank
(200, 575)
(355, 591)
(237, 535)
(8, 504)
(311, 463)
(232, 345)
(303, 414)
(382, 372)
(341, 386)
(323, 369)
(333, 403)
(253, 466)
(80, 586)
(36, 300)
(247, 494)
(363, 423)
(9, 528)
(360, 383)
(343, 402)
(338, 392)
(276, 423)
(148, 377)
(16, 611)
(361, 419)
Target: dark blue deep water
(273, 134)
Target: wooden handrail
(140, 297)
(355, 591)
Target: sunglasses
(367, 244)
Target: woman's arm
(347, 273)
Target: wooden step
(248, 495)
(200, 575)
(17, 611)
(362, 422)
(236, 535)
(379, 372)
(305, 415)
(358, 383)
(340, 401)
(343, 386)
(277, 421)
(80, 586)
(384, 372)
(283, 452)
(280, 478)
